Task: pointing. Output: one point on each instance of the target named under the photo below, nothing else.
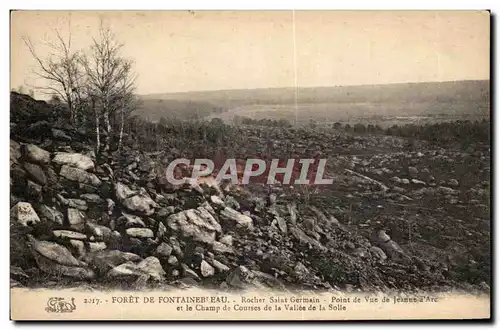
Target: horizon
(317, 87)
(194, 51)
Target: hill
(469, 97)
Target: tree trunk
(98, 141)
(122, 123)
(107, 125)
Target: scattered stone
(24, 214)
(188, 272)
(36, 173)
(140, 203)
(50, 214)
(235, 219)
(197, 224)
(140, 233)
(97, 246)
(108, 259)
(37, 155)
(92, 198)
(130, 221)
(227, 239)
(172, 260)
(219, 266)
(69, 234)
(76, 218)
(101, 233)
(378, 253)
(163, 251)
(55, 259)
(78, 175)
(79, 161)
(206, 270)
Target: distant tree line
(262, 122)
(464, 132)
(358, 128)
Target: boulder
(227, 239)
(36, 173)
(304, 239)
(188, 272)
(140, 203)
(123, 192)
(55, 259)
(78, 175)
(130, 221)
(99, 232)
(92, 198)
(34, 154)
(60, 135)
(141, 233)
(74, 160)
(243, 278)
(97, 246)
(235, 219)
(34, 191)
(206, 269)
(69, 234)
(108, 259)
(15, 152)
(378, 253)
(197, 224)
(76, 218)
(163, 251)
(222, 248)
(50, 214)
(219, 266)
(24, 214)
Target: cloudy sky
(207, 50)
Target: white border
(149, 4)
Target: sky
(179, 51)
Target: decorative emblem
(60, 305)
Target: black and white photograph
(250, 165)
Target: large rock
(36, 173)
(140, 203)
(244, 278)
(55, 259)
(130, 221)
(50, 214)
(304, 239)
(123, 192)
(140, 233)
(78, 175)
(197, 224)
(76, 218)
(74, 160)
(24, 214)
(206, 269)
(34, 154)
(15, 152)
(107, 260)
(33, 191)
(69, 234)
(99, 232)
(163, 251)
(151, 267)
(235, 219)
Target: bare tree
(110, 81)
(61, 71)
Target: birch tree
(110, 80)
(61, 71)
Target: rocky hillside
(78, 220)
